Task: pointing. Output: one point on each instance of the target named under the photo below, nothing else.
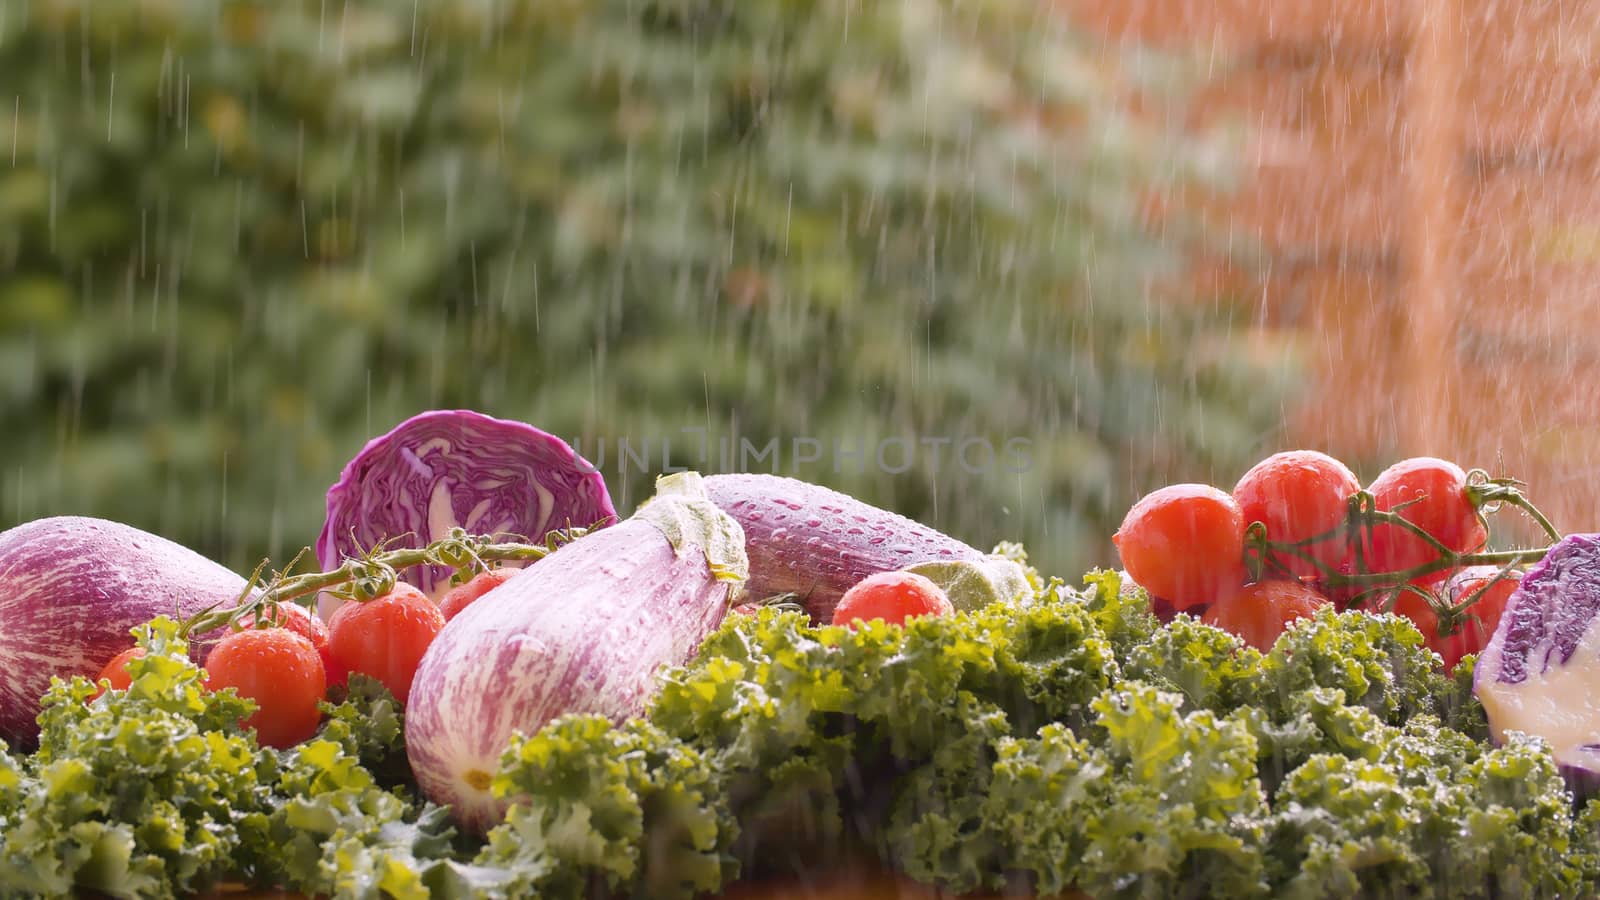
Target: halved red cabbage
(1540, 673)
(448, 468)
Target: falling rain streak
(1155, 240)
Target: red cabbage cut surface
(449, 468)
(1540, 673)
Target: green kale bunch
(146, 792)
(597, 807)
(1061, 742)
(159, 791)
(1067, 741)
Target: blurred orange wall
(1422, 181)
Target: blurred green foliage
(237, 239)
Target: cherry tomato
(116, 671)
(1299, 494)
(1441, 508)
(462, 595)
(893, 597)
(1261, 612)
(386, 637)
(1481, 618)
(1184, 543)
(299, 620)
(281, 672)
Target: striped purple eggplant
(816, 543)
(72, 588)
(586, 630)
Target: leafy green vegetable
(1459, 705)
(332, 831)
(1186, 809)
(157, 791)
(1378, 661)
(1071, 741)
(1586, 846)
(139, 792)
(1064, 741)
(368, 724)
(1121, 608)
(619, 806)
(1437, 814)
(938, 828)
(1312, 721)
(1208, 666)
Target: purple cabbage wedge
(586, 630)
(1540, 673)
(72, 588)
(816, 543)
(448, 468)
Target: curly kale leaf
(1312, 721)
(138, 792)
(1459, 705)
(1513, 833)
(1154, 803)
(1379, 662)
(809, 722)
(1211, 668)
(763, 686)
(627, 808)
(1186, 808)
(1434, 815)
(1039, 662)
(1051, 651)
(334, 832)
(368, 723)
(1065, 778)
(1586, 847)
(1121, 608)
(12, 783)
(939, 828)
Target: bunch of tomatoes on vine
(1299, 532)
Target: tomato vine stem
(374, 573)
(1362, 517)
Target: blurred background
(1140, 241)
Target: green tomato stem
(1362, 517)
(374, 574)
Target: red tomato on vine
(893, 597)
(1184, 543)
(386, 637)
(1261, 612)
(1490, 594)
(464, 595)
(1297, 495)
(1431, 494)
(278, 669)
(299, 620)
